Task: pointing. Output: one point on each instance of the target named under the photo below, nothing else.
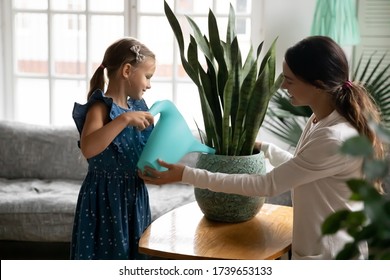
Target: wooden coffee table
(184, 233)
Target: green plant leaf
(362, 190)
(349, 251)
(289, 130)
(257, 109)
(358, 146)
(174, 23)
(334, 222)
(245, 95)
(200, 39)
(218, 51)
(375, 169)
(226, 111)
(231, 29)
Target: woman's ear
(126, 70)
(319, 84)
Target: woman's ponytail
(355, 104)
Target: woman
(315, 74)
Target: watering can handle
(158, 107)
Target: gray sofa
(41, 171)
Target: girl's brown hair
(125, 50)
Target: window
(374, 22)
(53, 55)
(53, 47)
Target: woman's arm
(274, 154)
(319, 159)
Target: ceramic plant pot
(231, 208)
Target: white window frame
(7, 40)
(7, 68)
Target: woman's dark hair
(126, 50)
(320, 61)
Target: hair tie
(138, 56)
(347, 84)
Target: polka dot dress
(113, 205)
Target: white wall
(288, 20)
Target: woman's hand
(257, 147)
(155, 177)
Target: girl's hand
(140, 119)
(155, 177)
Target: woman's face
(300, 92)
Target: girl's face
(139, 79)
(300, 92)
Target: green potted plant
(234, 99)
(372, 223)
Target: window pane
(104, 31)
(188, 103)
(243, 27)
(69, 44)
(192, 6)
(28, 4)
(240, 6)
(31, 43)
(153, 6)
(68, 5)
(65, 94)
(158, 91)
(161, 45)
(106, 6)
(32, 102)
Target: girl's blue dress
(113, 205)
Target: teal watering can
(171, 138)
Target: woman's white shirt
(315, 174)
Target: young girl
(315, 74)
(113, 205)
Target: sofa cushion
(37, 210)
(43, 152)
(43, 210)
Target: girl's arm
(98, 132)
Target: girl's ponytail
(97, 81)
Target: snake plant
(234, 95)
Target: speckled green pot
(231, 208)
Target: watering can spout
(201, 148)
(171, 138)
